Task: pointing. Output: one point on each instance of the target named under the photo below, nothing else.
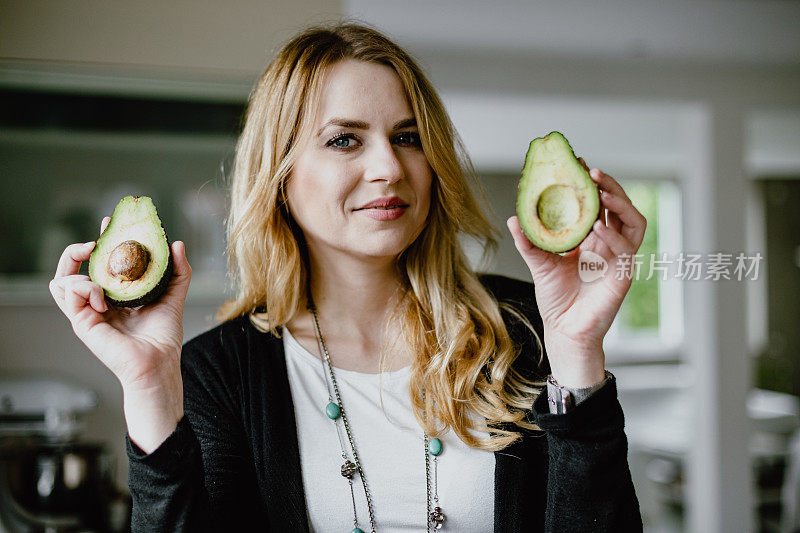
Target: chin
(381, 253)
(386, 249)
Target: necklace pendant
(435, 447)
(333, 411)
(349, 469)
(437, 518)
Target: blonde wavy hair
(452, 323)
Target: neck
(354, 298)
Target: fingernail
(87, 244)
(598, 225)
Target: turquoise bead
(333, 411)
(357, 530)
(435, 446)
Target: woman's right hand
(140, 345)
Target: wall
(188, 35)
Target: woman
(362, 357)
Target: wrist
(575, 365)
(166, 399)
(578, 378)
(152, 414)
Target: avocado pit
(558, 207)
(128, 261)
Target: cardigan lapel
(507, 487)
(285, 496)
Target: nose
(383, 163)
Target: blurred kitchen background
(693, 106)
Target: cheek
(318, 196)
(425, 183)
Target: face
(364, 147)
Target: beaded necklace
(335, 411)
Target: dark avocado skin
(156, 291)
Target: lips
(385, 202)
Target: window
(649, 324)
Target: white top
(390, 445)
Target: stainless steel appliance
(50, 480)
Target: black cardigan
(233, 462)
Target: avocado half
(557, 201)
(131, 260)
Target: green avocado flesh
(557, 201)
(131, 260)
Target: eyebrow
(361, 125)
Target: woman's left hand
(576, 314)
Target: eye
(341, 141)
(409, 137)
(344, 141)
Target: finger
(615, 242)
(104, 224)
(633, 222)
(613, 221)
(593, 243)
(533, 256)
(181, 274)
(57, 289)
(71, 258)
(520, 240)
(622, 207)
(98, 298)
(607, 183)
(78, 292)
(609, 203)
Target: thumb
(181, 272)
(536, 258)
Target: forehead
(362, 90)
